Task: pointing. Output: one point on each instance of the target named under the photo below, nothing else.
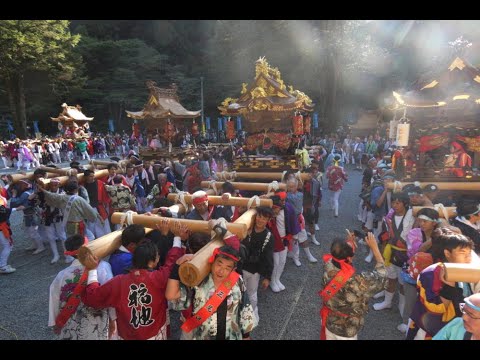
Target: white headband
(425, 217)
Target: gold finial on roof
(244, 88)
(457, 63)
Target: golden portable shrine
(72, 122)
(439, 130)
(162, 116)
(275, 119)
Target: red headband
(200, 199)
(75, 252)
(282, 195)
(218, 252)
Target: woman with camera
(346, 293)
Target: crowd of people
(129, 294)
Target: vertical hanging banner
(10, 125)
(307, 124)
(111, 127)
(203, 127)
(239, 123)
(297, 124)
(35, 126)
(207, 123)
(315, 120)
(230, 130)
(403, 132)
(220, 121)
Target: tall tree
(33, 45)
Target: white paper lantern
(393, 129)
(403, 132)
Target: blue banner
(315, 120)
(35, 126)
(9, 125)
(111, 127)
(207, 123)
(239, 123)
(219, 124)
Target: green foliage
(30, 46)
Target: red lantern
(136, 130)
(169, 130)
(195, 129)
(298, 125)
(230, 130)
(307, 124)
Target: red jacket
(138, 298)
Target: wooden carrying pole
(193, 225)
(462, 272)
(451, 211)
(472, 186)
(243, 186)
(64, 179)
(107, 244)
(232, 176)
(194, 271)
(56, 172)
(217, 200)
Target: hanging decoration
(432, 142)
(207, 123)
(169, 130)
(307, 124)
(195, 129)
(298, 124)
(473, 143)
(403, 134)
(136, 130)
(403, 130)
(230, 129)
(393, 126)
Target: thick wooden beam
(233, 176)
(193, 225)
(194, 271)
(471, 186)
(462, 272)
(217, 200)
(243, 186)
(63, 172)
(107, 244)
(64, 179)
(451, 210)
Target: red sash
(72, 303)
(4, 227)
(212, 304)
(338, 281)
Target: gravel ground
(289, 315)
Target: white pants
(6, 250)
(56, 156)
(96, 227)
(33, 234)
(251, 283)
(332, 336)
(335, 196)
(279, 260)
(55, 231)
(85, 155)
